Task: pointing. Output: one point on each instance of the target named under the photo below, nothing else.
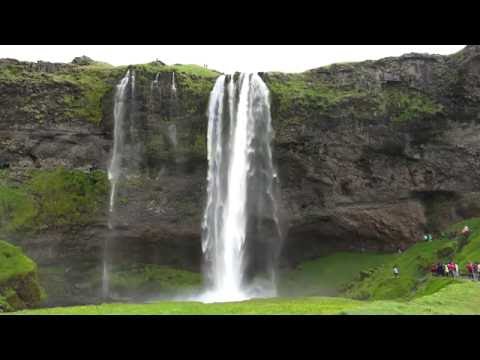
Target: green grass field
(332, 285)
(459, 298)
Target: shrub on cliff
(19, 286)
(52, 198)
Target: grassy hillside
(415, 279)
(327, 275)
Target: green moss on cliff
(52, 199)
(300, 94)
(82, 89)
(13, 262)
(19, 287)
(16, 208)
(300, 98)
(404, 104)
(151, 279)
(94, 82)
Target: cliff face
(370, 155)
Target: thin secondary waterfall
(154, 83)
(118, 136)
(239, 137)
(174, 86)
(114, 170)
(172, 135)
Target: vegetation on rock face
(295, 96)
(300, 94)
(404, 104)
(19, 287)
(82, 89)
(52, 199)
(151, 279)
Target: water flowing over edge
(114, 168)
(224, 222)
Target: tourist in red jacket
(470, 269)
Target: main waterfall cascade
(242, 191)
(114, 170)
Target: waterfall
(118, 136)
(174, 87)
(240, 175)
(154, 83)
(114, 170)
(133, 84)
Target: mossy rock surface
(51, 199)
(151, 280)
(19, 286)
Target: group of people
(452, 269)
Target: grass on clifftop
(83, 87)
(94, 82)
(299, 96)
(300, 93)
